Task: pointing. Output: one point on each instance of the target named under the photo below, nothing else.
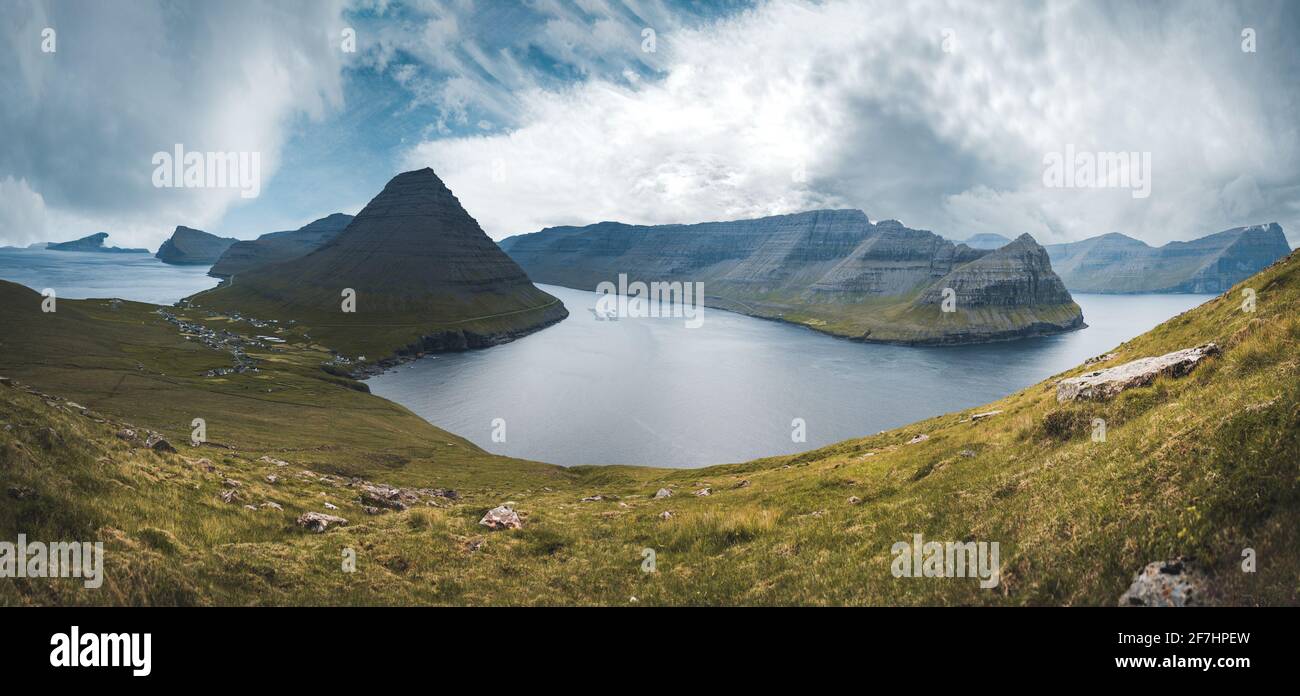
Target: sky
(943, 115)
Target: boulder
(1103, 384)
(1165, 584)
(666, 515)
(158, 443)
(663, 493)
(919, 438)
(318, 521)
(704, 492)
(501, 517)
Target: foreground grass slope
(1202, 467)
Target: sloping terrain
(1200, 466)
(1114, 263)
(423, 275)
(275, 247)
(831, 270)
(191, 246)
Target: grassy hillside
(1202, 466)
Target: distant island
(191, 246)
(1115, 263)
(274, 247)
(94, 242)
(831, 270)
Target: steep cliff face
(1114, 263)
(423, 274)
(833, 270)
(94, 242)
(191, 246)
(279, 246)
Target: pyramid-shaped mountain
(424, 275)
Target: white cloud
(862, 96)
(130, 79)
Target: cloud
(127, 80)
(796, 105)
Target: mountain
(1197, 467)
(986, 240)
(278, 246)
(94, 242)
(832, 270)
(190, 246)
(1115, 263)
(425, 277)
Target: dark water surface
(651, 391)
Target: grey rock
(1103, 384)
(501, 517)
(1165, 584)
(318, 521)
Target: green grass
(1202, 466)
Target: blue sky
(545, 112)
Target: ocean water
(78, 275)
(651, 391)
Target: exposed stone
(743, 483)
(663, 493)
(592, 499)
(229, 495)
(272, 478)
(21, 493)
(703, 492)
(1103, 384)
(919, 438)
(319, 521)
(231, 483)
(501, 517)
(1165, 584)
(331, 506)
(271, 505)
(158, 443)
(272, 460)
(371, 510)
(854, 500)
(986, 414)
(666, 515)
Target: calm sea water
(77, 275)
(651, 391)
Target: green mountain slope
(423, 274)
(1201, 466)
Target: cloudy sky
(538, 113)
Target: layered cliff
(1115, 263)
(94, 242)
(278, 246)
(420, 272)
(191, 246)
(832, 270)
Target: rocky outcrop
(190, 246)
(94, 242)
(1103, 384)
(501, 517)
(275, 247)
(1166, 584)
(318, 521)
(417, 263)
(832, 270)
(1114, 263)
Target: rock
(272, 478)
(271, 505)
(229, 495)
(704, 492)
(592, 499)
(331, 506)
(191, 246)
(663, 493)
(319, 521)
(501, 517)
(377, 495)
(666, 515)
(126, 434)
(371, 510)
(272, 460)
(986, 414)
(1099, 358)
(158, 443)
(1103, 384)
(854, 500)
(967, 453)
(743, 483)
(231, 483)
(251, 507)
(21, 493)
(919, 438)
(1165, 584)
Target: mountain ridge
(188, 246)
